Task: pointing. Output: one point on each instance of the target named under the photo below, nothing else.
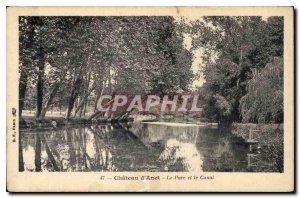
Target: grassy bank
(29, 122)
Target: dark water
(139, 147)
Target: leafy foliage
(264, 99)
(86, 56)
(234, 48)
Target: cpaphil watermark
(147, 103)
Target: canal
(140, 146)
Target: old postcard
(150, 99)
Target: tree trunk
(85, 95)
(82, 102)
(22, 92)
(100, 92)
(80, 112)
(40, 84)
(84, 108)
(49, 101)
(74, 94)
(24, 72)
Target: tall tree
(263, 102)
(26, 53)
(234, 49)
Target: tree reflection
(94, 148)
(37, 155)
(134, 147)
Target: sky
(197, 62)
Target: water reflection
(136, 147)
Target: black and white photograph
(180, 94)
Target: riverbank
(57, 119)
(261, 133)
(264, 140)
(28, 122)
